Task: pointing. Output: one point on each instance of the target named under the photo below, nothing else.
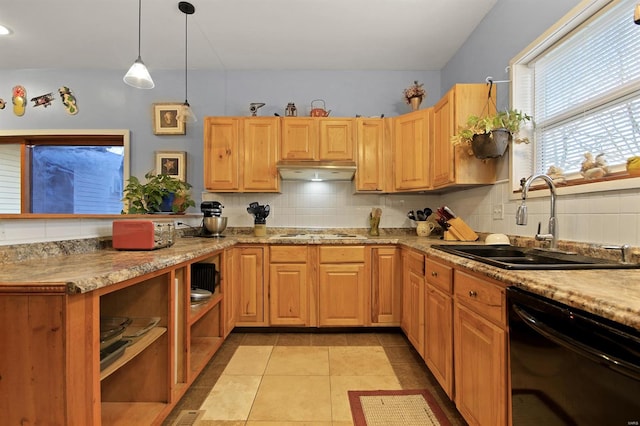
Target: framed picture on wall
(172, 163)
(165, 119)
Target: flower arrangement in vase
(414, 94)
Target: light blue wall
(105, 102)
(504, 32)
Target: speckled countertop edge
(613, 294)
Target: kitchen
(620, 210)
(614, 221)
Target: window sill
(612, 182)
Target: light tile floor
(264, 379)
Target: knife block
(460, 231)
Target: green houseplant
(488, 136)
(159, 193)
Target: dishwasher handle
(621, 366)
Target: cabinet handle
(434, 274)
(473, 293)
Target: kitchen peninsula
(51, 308)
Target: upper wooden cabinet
(317, 139)
(240, 154)
(412, 134)
(453, 165)
(374, 154)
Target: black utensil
(411, 215)
(420, 216)
(427, 212)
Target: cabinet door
(299, 139)
(412, 150)
(261, 140)
(221, 154)
(443, 130)
(249, 277)
(386, 286)
(480, 366)
(413, 299)
(370, 142)
(342, 294)
(438, 344)
(288, 298)
(336, 139)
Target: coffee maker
(213, 224)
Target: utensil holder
(374, 223)
(260, 230)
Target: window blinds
(587, 93)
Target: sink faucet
(521, 214)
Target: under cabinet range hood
(317, 170)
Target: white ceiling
(238, 34)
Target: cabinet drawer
(482, 296)
(342, 254)
(288, 254)
(439, 275)
(414, 261)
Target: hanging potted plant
(160, 193)
(489, 136)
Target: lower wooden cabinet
(343, 286)
(386, 286)
(480, 341)
(249, 276)
(413, 298)
(438, 306)
(288, 286)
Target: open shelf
(138, 345)
(198, 311)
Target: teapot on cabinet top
(319, 112)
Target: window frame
(522, 156)
(49, 137)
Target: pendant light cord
(139, 25)
(186, 44)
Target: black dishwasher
(570, 367)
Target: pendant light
(138, 75)
(186, 114)
(636, 14)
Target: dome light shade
(138, 76)
(185, 114)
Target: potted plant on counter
(160, 193)
(489, 136)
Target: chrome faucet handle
(625, 250)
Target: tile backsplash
(605, 218)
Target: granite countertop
(613, 294)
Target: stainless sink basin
(510, 257)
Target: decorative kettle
(319, 112)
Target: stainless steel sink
(510, 257)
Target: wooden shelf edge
(198, 311)
(202, 349)
(137, 346)
(132, 413)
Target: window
(581, 84)
(63, 173)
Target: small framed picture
(165, 119)
(172, 163)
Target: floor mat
(396, 408)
